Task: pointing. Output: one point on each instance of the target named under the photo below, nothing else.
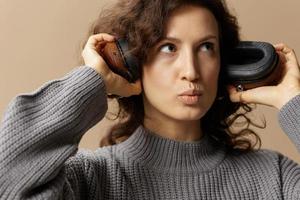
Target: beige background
(40, 40)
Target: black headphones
(250, 64)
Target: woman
(175, 152)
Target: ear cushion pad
(252, 64)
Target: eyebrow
(207, 37)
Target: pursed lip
(191, 92)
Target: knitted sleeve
(39, 131)
(289, 120)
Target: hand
(115, 84)
(275, 96)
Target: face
(187, 58)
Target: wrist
(105, 77)
(286, 98)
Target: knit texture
(39, 156)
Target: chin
(189, 114)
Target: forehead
(191, 19)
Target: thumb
(260, 95)
(123, 88)
(130, 89)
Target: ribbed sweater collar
(149, 149)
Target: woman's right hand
(114, 83)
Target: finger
(256, 95)
(137, 87)
(279, 46)
(282, 47)
(132, 88)
(285, 49)
(282, 57)
(234, 95)
(128, 89)
(94, 39)
(289, 53)
(101, 37)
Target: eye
(167, 47)
(207, 46)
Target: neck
(176, 130)
(147, 148)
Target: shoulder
(262, 153)
(88, 169)
(270, 160)
(267, 154)
(86, 159)
(258, 158)
(255, 165)
(84, 168)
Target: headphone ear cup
(130, 61)
(252, 64)
(118, 59)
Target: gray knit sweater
(39, 156)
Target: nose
(189, 67)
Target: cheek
(210, 80)
(211, 74)
(156, 80)
(212, 77)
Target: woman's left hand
(278, 95)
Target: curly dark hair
(142, 22)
